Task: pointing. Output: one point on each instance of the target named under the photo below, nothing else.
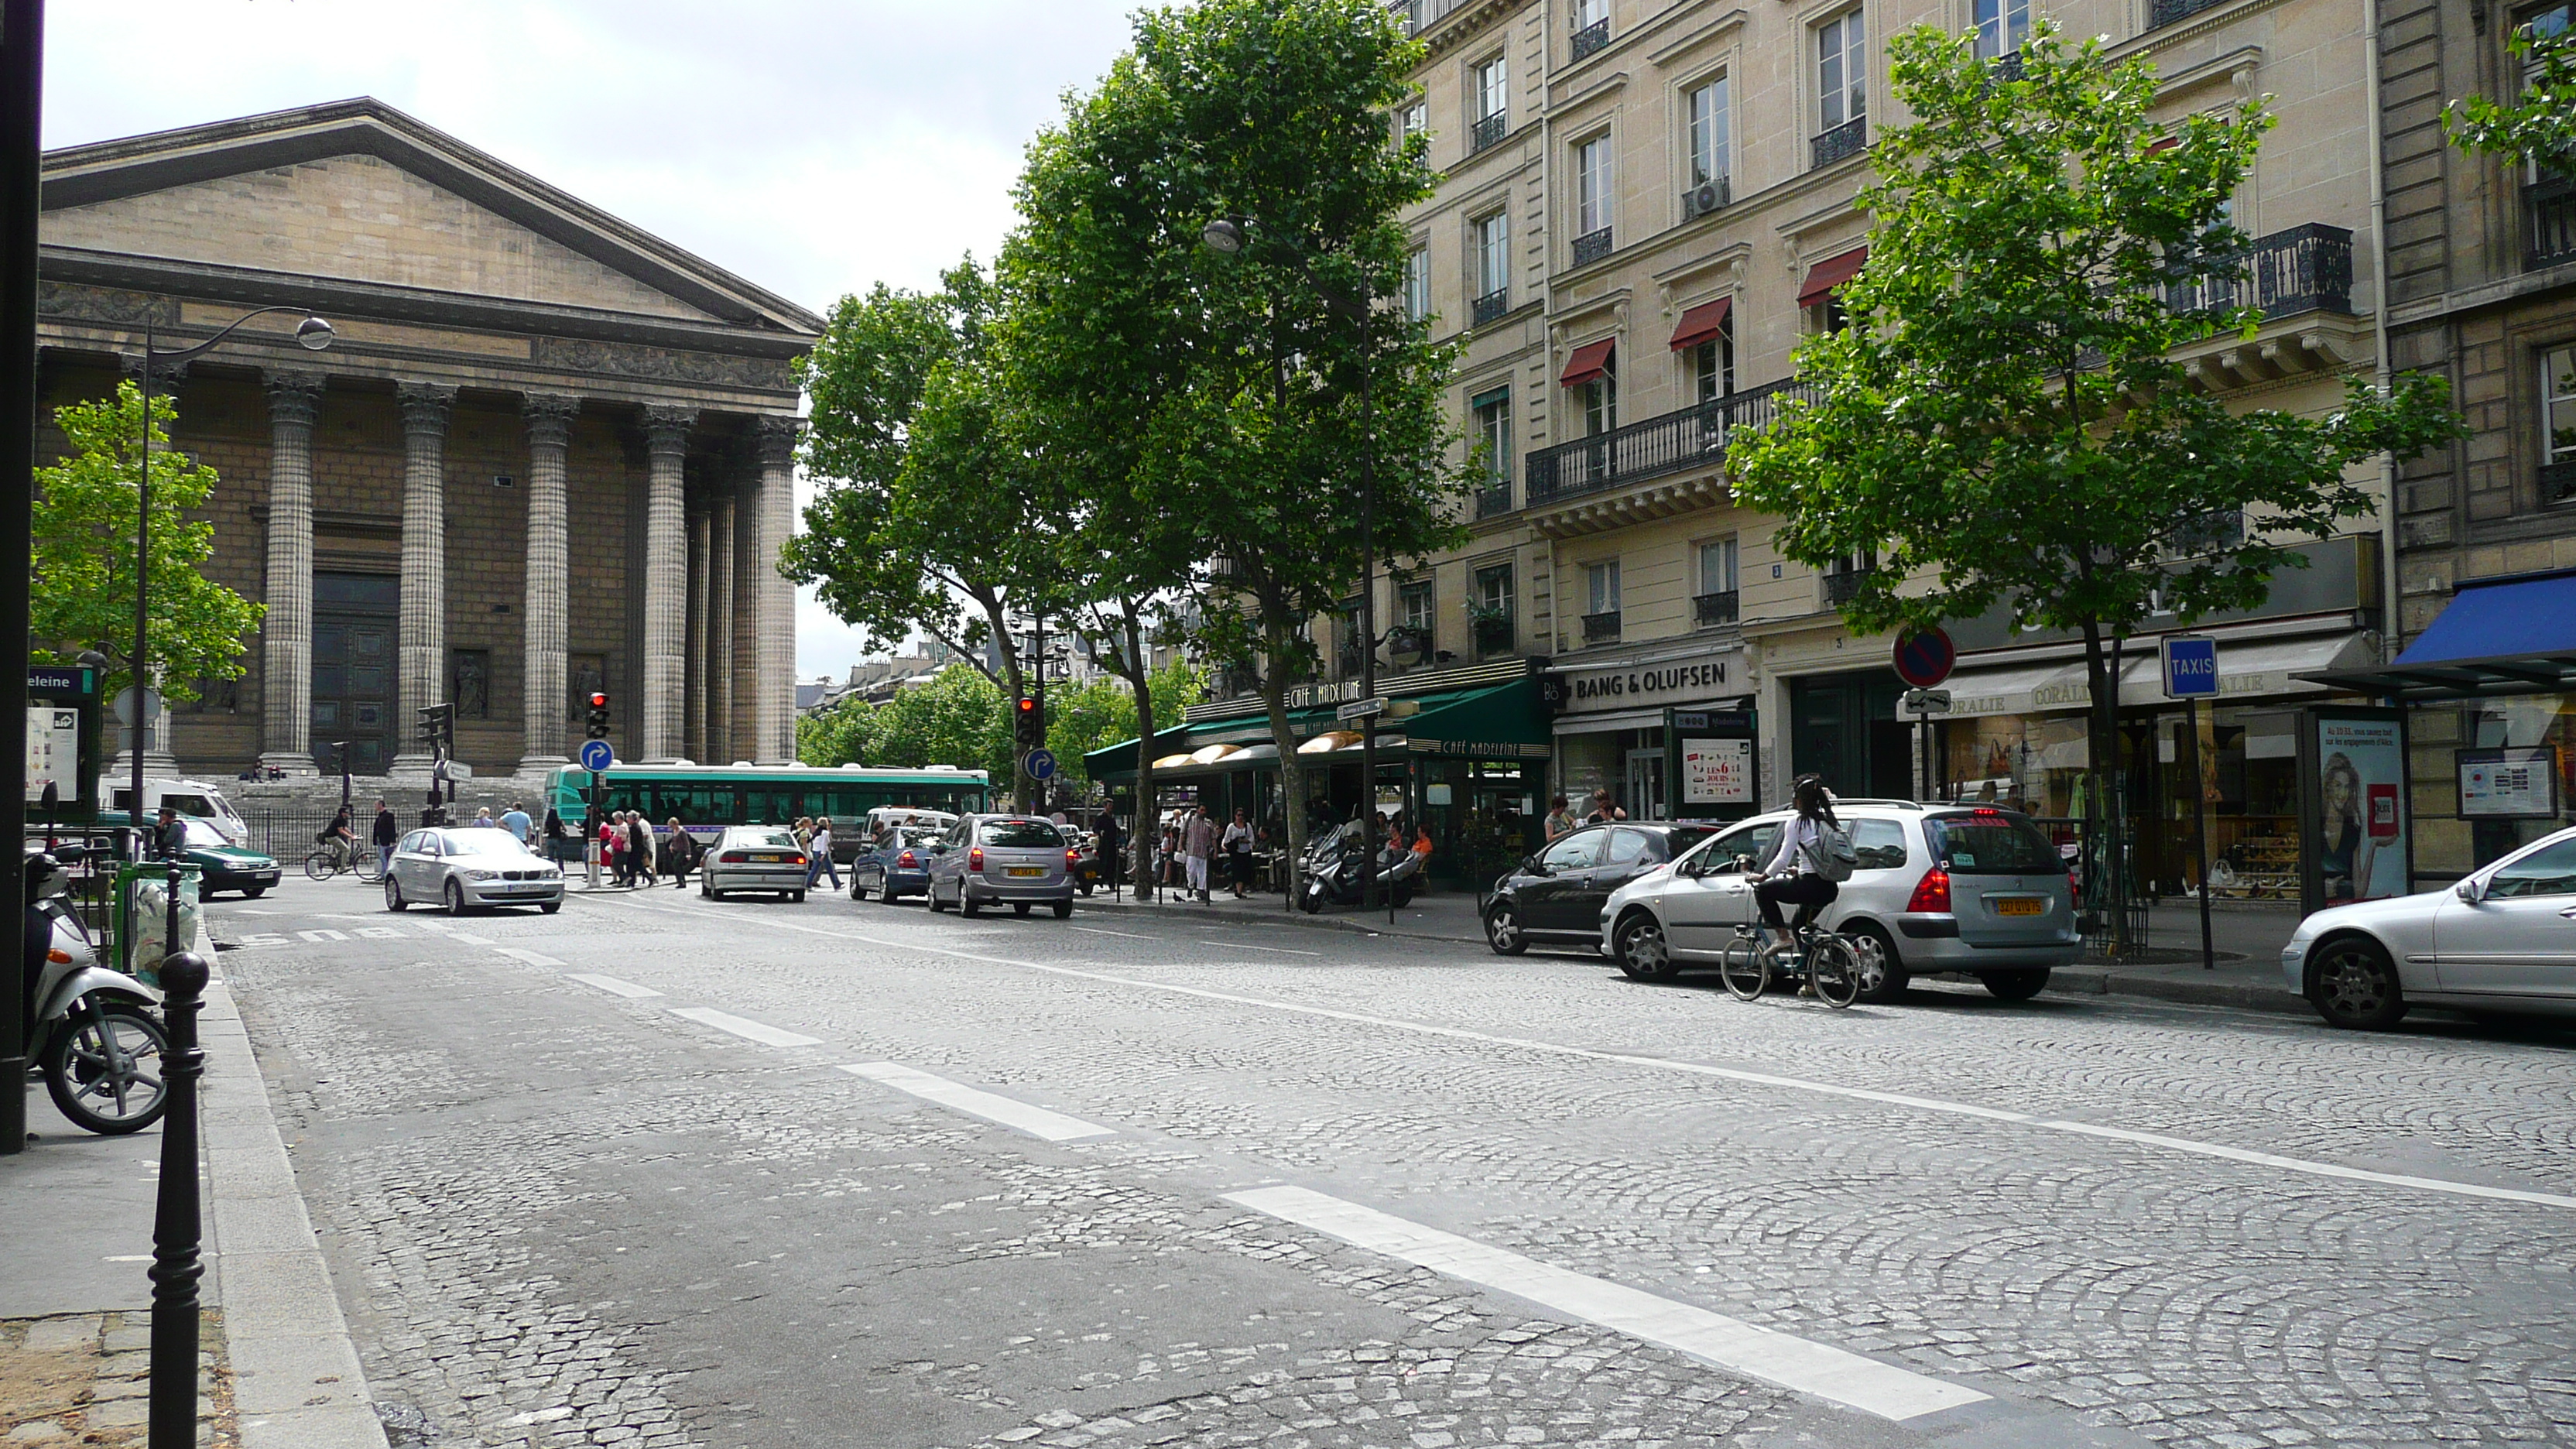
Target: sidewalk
(279, 1370)
(2248, 942)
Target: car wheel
(254, 893)
(2355, 985)
(1064, 910)
(1019, 908)
(1883, 976)
(455, 899)
(796, 898)
(966, 905)
(2016, 985)
(1643, 953)
(394, 897)
(930, 898)
(1503, 931)
(549, 907)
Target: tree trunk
(1133, 667)
(2101, 848)
(1274, 699)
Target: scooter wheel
(104, 1070)
(1313, 903)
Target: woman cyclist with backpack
(1812, 855)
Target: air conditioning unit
(1704, 198)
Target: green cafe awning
(1502, 721)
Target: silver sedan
(754, 858)
(2502, 941)
(472, 868)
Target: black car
(1557, 894)
(895, 864)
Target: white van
(188, 797)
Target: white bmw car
(2501, 941)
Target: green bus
(706, 798)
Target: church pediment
(357, 191)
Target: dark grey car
(992, 860)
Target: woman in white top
(1237, 843)
(1790, 877)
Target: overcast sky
(813, 146)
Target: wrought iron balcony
(2549, 223)
(1848, 139)
(1592, 39)
(1597, 627)
(1842, 584)
(2304, 269)
(1493, 634)
(1714, 194)
(1488, 131)
(1420, 15)
(2004, 69)
(1592, 246)
(2558, 481)
(1694, 436)
(2171, 12)
(1491, 306)
(1710, 610)
(1494, 500)
(2209, 532)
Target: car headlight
(482, 875)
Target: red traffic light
(1028, 705)
(598, 701)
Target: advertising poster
(53, 752)
(1717, 772)
(2355, 837)
(2509, 784)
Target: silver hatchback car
(471, 868)
(754, 858)
(991, 860)
(1940, 888)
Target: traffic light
(438, 727)
(1026, 726)
(598, 717)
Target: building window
(1493, 265)
(1712, 365)
(1491, 609)
(1601, 403)
(1591, 27)
(1490, 95)
(1592, 200)
(1601, 587)
(1707, 109)
(2558, 415)
(1411, 120)
(1415, 641)
(1491, 417)
(2002, 25)
(1842, 71)
(1716, 601)
(1417, 284)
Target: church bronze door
(354, 626)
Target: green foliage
(2002, 421)
(85, 516)
(841, 733)
(2540, 126)
(957, 719)
(1103, 713)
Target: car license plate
(768, 859)
(1024, 871)
(2020, 906)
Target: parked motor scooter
(93, 1030)
(1333, 865)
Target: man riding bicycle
(343, 841)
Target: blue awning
(2513, 635)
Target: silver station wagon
(1940, 888)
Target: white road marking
(1097, 931)
(262, 939)
(612, 985)
(2190, 1146)
(1035, 1121)
(379, 933)
(1248, 946)
(324, 935)
(527, 957)
(128, 1258)
(467, 938)
(744, 1027)
(1730, 1343)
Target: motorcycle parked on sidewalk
(93, 1031)
(1333, 871)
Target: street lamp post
(313, 334)
(1227, 235)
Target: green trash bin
(141, 923)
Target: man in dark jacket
(386, 835)
(639, 849)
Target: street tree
(1086, 717)
(840, 733)
(2002, 421)
(2539, 125)
(1229, 388)
(958, 718)
(86, 511)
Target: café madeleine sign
(1603, 689)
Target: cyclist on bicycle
(1794, 875)
(342, 840)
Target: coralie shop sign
(1652, 684)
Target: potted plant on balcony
(1492, 625)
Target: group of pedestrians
(635, 857)
(1193, 845)
(814, 836)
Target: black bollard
(177, 1231)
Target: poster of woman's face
(2360, 834)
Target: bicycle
(1825, 960)
(330, 858)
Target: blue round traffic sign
(1040, 764)
(1924, 658)
(596, 755)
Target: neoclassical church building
(546, 453)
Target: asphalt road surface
(658, 1171)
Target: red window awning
(1588, 362)
(1830, 273)
(1702, 323)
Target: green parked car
(221, 865)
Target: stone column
(773, 680)
(425, 409)
(286, 634)
(666, 446)
(698, 733)
(721, 748)
(548, 687)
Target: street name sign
(2191, 666)
(1361, 709)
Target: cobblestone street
(658, 1171)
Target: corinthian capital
(294, 398)
(549, 418)
(775, 437)
(425, 406)
(666, 430)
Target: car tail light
(1931, 894)
(975, 859)
(734, 857)
(2074, 890)
(795, 860)
(1073, 860)
(907, 859)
